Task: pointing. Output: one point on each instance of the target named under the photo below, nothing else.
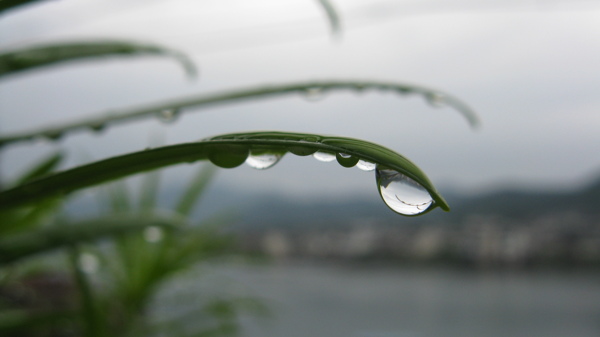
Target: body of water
(333, 300)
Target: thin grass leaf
(183, 104)
(41, 168)
(226, 151)
(332, 16)
(6, 5)
(196, 187)
(36, 57)
(149, 191)
(15, 247)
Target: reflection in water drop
(324, 156)
(435, 99)
(365, 165)
(314, 94)
(168, 115)
(402, 194)
(153, 234)
(263, 161)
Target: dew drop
(168, 115)
(228, 156)
(53, 135)
(324, 156)
(365, 165)
(346, 160)
(401, 193)
(153, 234)
(435, 99)
(314, 94)
(99, 127)
(263, 161)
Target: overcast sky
(530, 68)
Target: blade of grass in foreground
(228, 151)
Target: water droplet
(401, 193)
(324, 156)
(53, 135)
(435, 99)
(168, 115)
(153, 234)
(228, 156)
(365, 165)
(301, 151)
(263, 161)
(99, 127)
(314, 94)
(346, 160)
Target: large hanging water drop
(263, 161)
(401, 193)
(324, 156)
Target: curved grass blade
(35, 57)
(226, 151)
(43, 167)
(332, 16)
(18, 246)
(231, 96)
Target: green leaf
(43, 167)
(194, 191)
(18, 246)
(102, 120)
(6, 5)
(225, 151)
(332, 16)
(35, 57)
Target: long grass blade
(38, 56)
(19, 246)
(180, 105)
(226, 151)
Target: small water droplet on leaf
(401, 193)
(324, 156)
(228, 156)
(365, 165)
(168, 115)
(99, 127)
(346, 160)
(435, 99)
(314, 94)
(263, 161)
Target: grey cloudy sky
(530, 68)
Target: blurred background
(518, 255)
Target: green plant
(140, 247)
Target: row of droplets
(316, 93)
(399, 192)
(435, 99)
